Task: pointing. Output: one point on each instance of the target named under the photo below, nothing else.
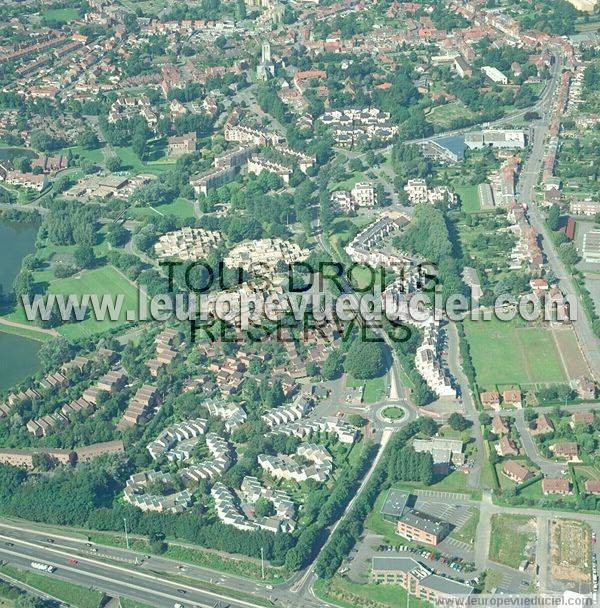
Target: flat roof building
(420, 528)
(416, 579)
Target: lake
(18, 355)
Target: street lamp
(126, 536)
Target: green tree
(333, 366)
(366, 359)
(84, 256)
(458, 422)
(264, 508)
(88, 140)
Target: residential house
(558, 485)
(499, 426)
(490, 399)
(516, 472)
(566, 449)
(512, 397)
(506, 447)
(543, 425)
(583, 418)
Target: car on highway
(49, 540)
(181, 591)
(73, 562)
(9, 544)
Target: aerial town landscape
(194, 196)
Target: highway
(119, 565)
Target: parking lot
(456, 548)
(457, 515)
(443, 497)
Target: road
(529, 179)
(471, 413)
(550, 468)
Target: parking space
(514, 582)
(456, 548)
(444, 497)
(457, 515)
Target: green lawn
(444, 115)
(393, 413)
(60, 14)
(454, 482)
(131, 162)
(512, 353)
(466, 533)
(103, 280)
(245, 567)
(342, 592)
(127, 603)
(180, 207)
(96, 155)
(376, 523)
(349, 182)
(374, 387)
(508, 537)
(469, 197)
(73, 595)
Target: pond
(18, 355)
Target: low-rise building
(516, 472)
(422, 529)
(490, 399)
(566, 449)
(417, 580)
(499, 426)
(494, 74)
(555, 486)
(506, 447)
(188, 244)
(179, 145)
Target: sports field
(469, 198)
(103, 280)
(513, 353)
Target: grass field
(99, 281)
(444, 115)
(393, 413)
(180, 207)
(60, 14)
(512, 353)
(349, 182)
(127, 603)
(131, 162)
(343, 592)
(508, 537)
(466, 533)
(454, 482)
(469, 198)
(248, 568)
(572, 358)
(374, 387)
(73, 595)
